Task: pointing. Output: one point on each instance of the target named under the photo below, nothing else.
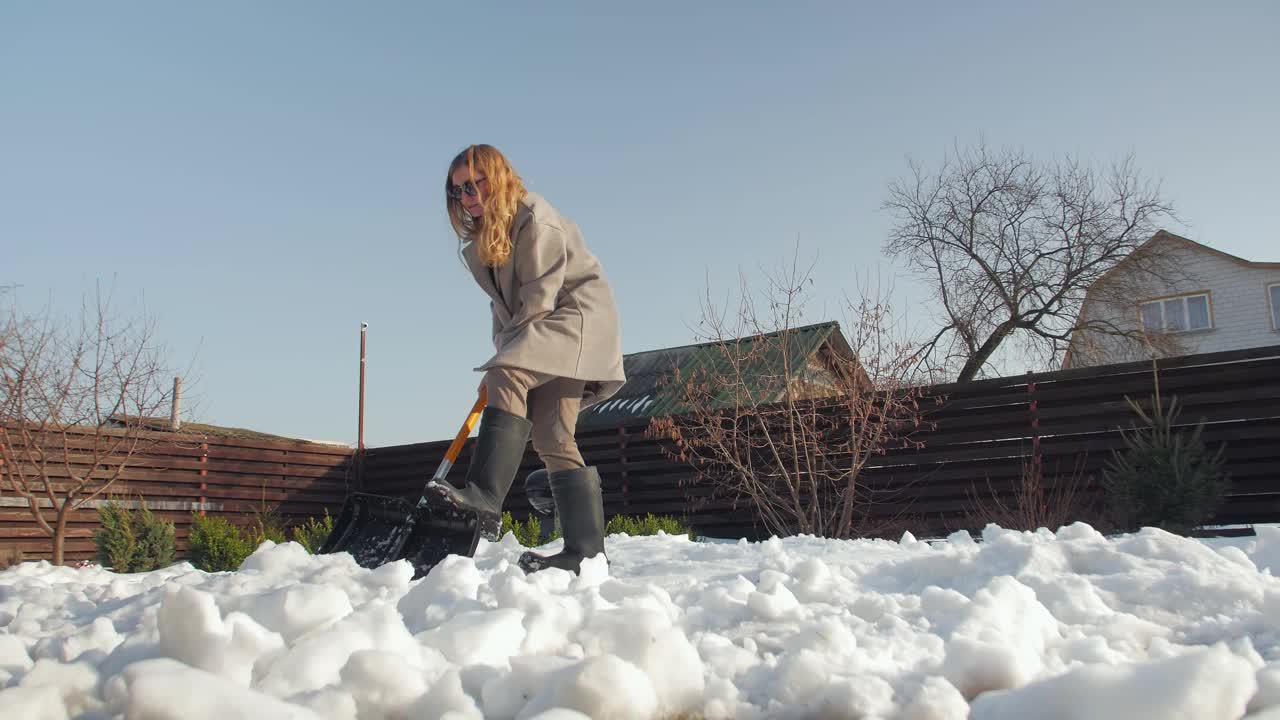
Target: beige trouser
(551, 403)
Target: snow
(1058, 625)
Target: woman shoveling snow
(557, 342)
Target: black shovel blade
(373, 528)
(378, 529)
(441, 530)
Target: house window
(1178, 314)
(1273, 291)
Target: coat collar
(484, 275)
(480, 272)
(506, 273)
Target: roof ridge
(708, 343)
(1163, 234)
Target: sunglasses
(468, 187)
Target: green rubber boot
(580, 506)
(499, 449)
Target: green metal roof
(648, 392)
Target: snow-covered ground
(1021, 625)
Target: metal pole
(363, 331)
(364, 327)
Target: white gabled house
(1216, 302)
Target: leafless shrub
(788, 427)
(71, 398)
(1037, 501)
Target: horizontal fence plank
(177, 476)
(977, 441)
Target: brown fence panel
(982, 436)
(178, 474)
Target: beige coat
(553, 309)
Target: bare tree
(73, 396)
(1010, 246)
(1090, 346)
(790, 439)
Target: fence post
(204, 475)
(1034, 412)
(359, 457)
(284, 478)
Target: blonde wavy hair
(501, 200)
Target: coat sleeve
(540, 256)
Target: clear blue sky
(265, 176)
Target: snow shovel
(378, 529)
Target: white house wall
(1239, 308)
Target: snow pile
(1056, 626)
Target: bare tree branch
(787, 428)
(1011, 246)
(74, 398)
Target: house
(817, 361)
(1209, 301)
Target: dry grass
(1038, 500)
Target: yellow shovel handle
(467, 427)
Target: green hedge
(649, 524)
(133, 541)
(312, 534)
(217, 545)
(527, 532)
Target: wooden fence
(983, 435)
(178, 474)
